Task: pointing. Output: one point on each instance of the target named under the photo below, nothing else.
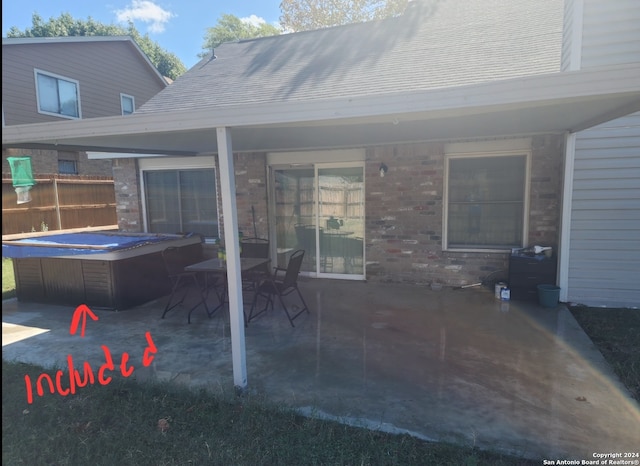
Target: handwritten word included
(75, 379)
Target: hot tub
(102, 269)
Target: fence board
(60, 203)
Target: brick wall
(128, 198)
(251, 191)
(547, 173)
(404, 210)
(45, 162)
(42, 161)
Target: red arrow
(81, 311)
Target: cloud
(253, 20)
(147, 12)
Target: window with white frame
(485, 201)
(127, 103)
(57, 95)
(181, 200)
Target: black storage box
(527, 271)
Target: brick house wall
(45, 162)
(251, 191)
(404, 210)
(128, 197)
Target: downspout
(565, 223)
(231, 237)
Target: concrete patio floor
(449, 365)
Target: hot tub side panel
(140, 279)
(29, 280)
(121, 282)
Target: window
(57, 95)
(181, 201)
(127, 103)
(486, 200)
(67, 167)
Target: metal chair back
(255, 247)
(293, 270)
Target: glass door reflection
(321, 209)
(341, 220)
(295, 215)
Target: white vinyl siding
(600, 33)
(571, 35)
(602, 260)
(611, 35)
(605, 216)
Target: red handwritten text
(74, 379)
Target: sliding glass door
(293, 194)
(320, 208)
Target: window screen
(128, 106)
(67, 167)
(57, 96)
(486, 202)
(181, 201)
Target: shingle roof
(435, 44)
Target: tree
(305, 15)
(231, 28)
(168, 64)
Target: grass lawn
(130, 423)
(126, 423)
(616, 333)
(8, 280)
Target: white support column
(565, 222)
(231, 238)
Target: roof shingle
(435, 44)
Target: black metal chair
(283, 283)
(256, 248)
(182, 282)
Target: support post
(57, 199)
(231, 237)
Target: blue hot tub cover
(69, 244)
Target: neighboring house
(69, 78)
(415, 149)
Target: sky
(178, 26)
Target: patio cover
(559, 102)
(562, 102)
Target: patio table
(219, 267)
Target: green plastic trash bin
(548, 295)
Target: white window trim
(445, 198)
(133, 103)
(173, 163)
(36, 72)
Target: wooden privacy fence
(60, 203)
